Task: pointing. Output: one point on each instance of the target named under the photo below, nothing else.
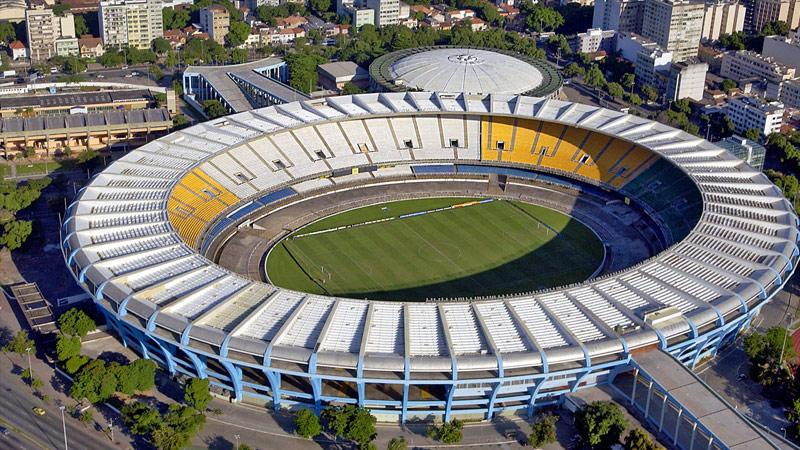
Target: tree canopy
(214, 109)
(307, 424)
(67, 347)
(75, 322)
(637, 439)
(600, 424)
(543, 430)
(351, 422)
(196, 393)
(20, 343)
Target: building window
(279, 164)
(320, 154)
(454, 143)
(408, 143)
(501, 145)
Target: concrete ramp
(685, 410)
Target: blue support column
(587, 363)
(316, 384)
(199, 366)
(167, 356)
(274, 379)
(360, 381)
(235, 374)
(406, 380)
(452, 390)
(534, 391)
(496, 387)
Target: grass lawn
(493, 248)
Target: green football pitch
(491, 248)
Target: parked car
(4, 431)
(38, 411)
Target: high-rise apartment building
(686, 79)
(387, 12)
(130, 23)
(619, 15)
(675, 25)
(748, 113)
(785, 50)
(43, 30)
(766, 11)
(722, 17)
(216, 21)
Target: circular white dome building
(464, 69)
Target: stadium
(660, 240)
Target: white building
(361, 16)
(387, 12)
(619, 15)
(785, 50)
(133, 23)
(675, 25)
(743, 64)
(790, 94)
(67, 46)
(42, 29)
(722, 17)
(593, 40)
(749, 112)
(686, 79)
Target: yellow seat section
(524, 138)
(548, 138)
(593, 147)
(566, 153)
(630, 164)
(195, 201)
(502, 137)
(488, 152)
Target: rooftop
(465, 69)
(74, 99)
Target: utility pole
(111, 427)
(236, 436)
(64, 424)
(30, 367)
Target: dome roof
(467, 70)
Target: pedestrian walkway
(685, 409)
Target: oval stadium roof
(465, 69)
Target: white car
(101, 75)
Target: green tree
(73, 65)
(734, 41)
(307, 424)
(600, 424)
(727, 85)
(60, 8)
(161, 45)
(179, 121)
(86, 417)
(36, 383)
(628, 82)
(594, 76)
(540, 18)
(175, 18)
(7, 32)
(81, 27)
(239, 56)
(448, 432)
(650, 92)
(615, 90)
(94, 382)
(303, 74)
(141, 418)
(112, 57)
(397, 443)
(753, 134)
(75, 322)
(196, 393)
(634, 99)
(351, 422)
(67, 347)
(320, 6)
(777, 27)
(166, 438)
(543, 431)
(574, 70)
(637, 439)
(237, 34)
(214, 109)
(15, 233)
(351, 89)
(74, 364)
(180, 425)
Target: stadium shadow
(523, 274)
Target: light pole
(111, 428)
(30, 367)
(786, 331)
(236, 436)
(64, 424)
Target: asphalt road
(29, 431)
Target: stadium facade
(135, 240)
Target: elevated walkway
(685, 410)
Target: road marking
(22, 433)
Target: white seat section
(399, 102)
(308, 138)
(713, 258)
(121, 233)
(387, 149)
(266, 322)
(302, 163)
(117, 219)
(386, 331)
(338, 145)
(572, 318)
(621, 294)
(425, 331)
(228, 315)
(150, 159)
(186, 150)
(346, 327)
(265, 149)
(240, 188)
(152, 258)
(472, 148)
(206, 298)
(702, 272)
(501, 327)
(539, 325)
(424, 101)
(404, 130)
(312, 184)
(680, 281)
(154, 275)
(453, 130)
(432, 139)
(356, 134)
(248, 159)
(464, 330)
(352, 178)
(655, 290)
(271, 114)
(307, 325)
(257, 122)
(114, 249)
(393, 171)
(601, 308)
(180, 285)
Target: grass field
(493, 248)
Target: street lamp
(64, 424)
(236, 436)
(784, 432)
(30, 367)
